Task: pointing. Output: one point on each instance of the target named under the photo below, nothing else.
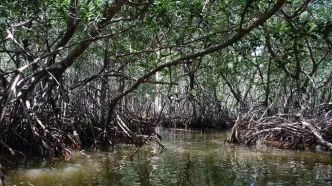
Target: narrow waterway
(192, 158)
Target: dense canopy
(98, 72)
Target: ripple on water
(191, 159)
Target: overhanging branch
(236, 37)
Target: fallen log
(317, 135)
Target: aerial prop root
(295, 130)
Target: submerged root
(61, 137)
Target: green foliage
(144, 35)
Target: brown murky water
(192, 158)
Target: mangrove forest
(91, 74)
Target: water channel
(192, 158)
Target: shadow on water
(192, 158)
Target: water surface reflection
(192, 158)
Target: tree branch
(248, 3)
(260, 21)
(72, 23)
(297, 11)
